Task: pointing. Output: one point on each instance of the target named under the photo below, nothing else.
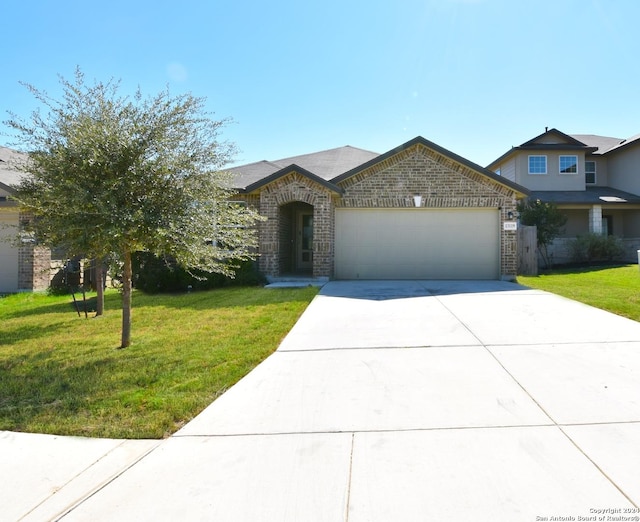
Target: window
(497, 172)
(568, 164)
(537, 164)
(590, 172)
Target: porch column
(595, 219)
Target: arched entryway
(295, 239)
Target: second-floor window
(568, 164)
(537, 164)
(590, 172)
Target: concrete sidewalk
(388, 401)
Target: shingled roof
(590, 196)
(601, 143)
(326, 165)
(10, 176)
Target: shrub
(592, 248)
(153, 274)
(58, 284)
(67, 279)
(547, 219)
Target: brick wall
(34, 267)
(392, 183)
(441, 182)
(288, 189)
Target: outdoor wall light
(417, 200)
(510, 215)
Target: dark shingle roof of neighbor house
(602, 143)
(624, 143)
(590, 196)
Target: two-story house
(594, 180)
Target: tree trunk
(99, 282)
(126, 301)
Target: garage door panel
(417, 244)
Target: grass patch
(62, 374)
(615, 289)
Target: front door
(304, 256)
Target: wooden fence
(527, 252)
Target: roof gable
(446, 154)
(285, 172)
(553, 137)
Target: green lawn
(616, 289)
(63, 374)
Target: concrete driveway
(388, 401)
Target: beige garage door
(417, 244)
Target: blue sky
(474, 76)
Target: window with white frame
(590, 172)
(568, 164)
(537, 164)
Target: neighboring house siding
(624, 169)
(552, 180)
(577, 223)
(508, 170)
(602, 179)
(631, 224)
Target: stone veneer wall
(442, 183)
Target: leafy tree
(110, 175)
(547, 219)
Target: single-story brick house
(418, 211)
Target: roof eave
(287, 170)
(571, 139)
(556, 146)
(8, 188)
(625, 143)
(419, 140)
